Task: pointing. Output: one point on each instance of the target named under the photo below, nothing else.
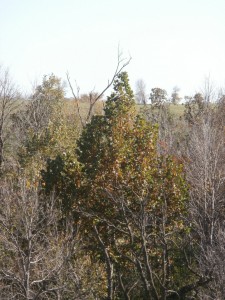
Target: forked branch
(121, 64)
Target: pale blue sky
(171, 42)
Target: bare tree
(204, 161)
(8, 103)
(175, 97)
(35, 255)
(140, 94)
(208, 90)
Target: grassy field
(175, 109)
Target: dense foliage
(129, 205)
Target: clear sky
(171, 42)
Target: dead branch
(121, 64)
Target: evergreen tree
(132, 200)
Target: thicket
(119, 203)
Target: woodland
(118, 197)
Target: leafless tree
(8, 103)
(208, 90)
(168, 126)
(175, 97)
(140, 93)
(35, 254)
(205, 166)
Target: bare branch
(76, 98)
(121, 64)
